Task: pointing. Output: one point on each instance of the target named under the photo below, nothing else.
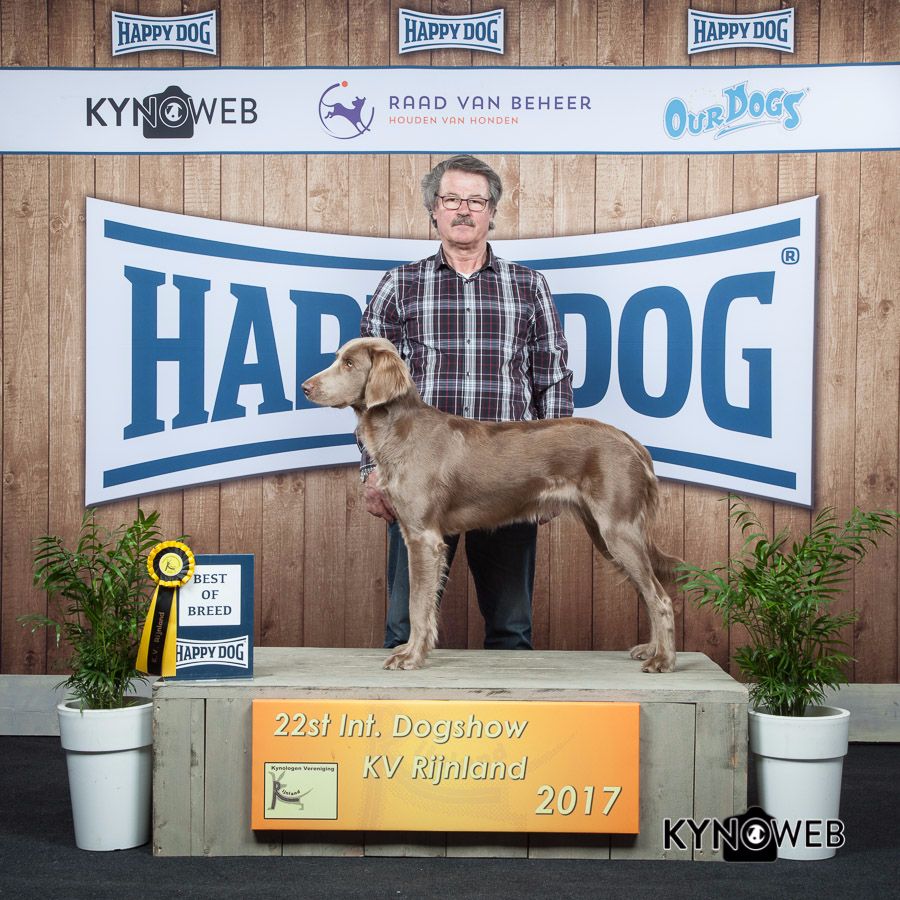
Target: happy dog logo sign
(712, 31)
(741, 107)
(233, 653)
(423, 31)
(343, 113)
(131, 34)
(201, 332)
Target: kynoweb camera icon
(748, 837)
(756, 834)
(169, 114)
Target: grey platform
(693, 747)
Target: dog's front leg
(427, 555)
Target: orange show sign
(445, 765)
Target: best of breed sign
(445, 766)
(215, 619)
(695, 338)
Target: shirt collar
(489, 262)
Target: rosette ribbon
(171, 565)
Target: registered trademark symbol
(790, 256)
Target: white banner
(696, 338)
(785, 109)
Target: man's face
(462, 228)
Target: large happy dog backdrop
(181, 248)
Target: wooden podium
(693, 747)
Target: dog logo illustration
(342, 115)
(281, 792)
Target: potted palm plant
(780, 589)
(100, 590)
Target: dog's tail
(664, 565)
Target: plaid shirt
(488, 346)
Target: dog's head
(366, 372)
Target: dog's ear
(388, 378)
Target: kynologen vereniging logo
(301, 790)
(343, 113)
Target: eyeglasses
(475, 204)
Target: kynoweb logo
(172, 113)
(753, 836)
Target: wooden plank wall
(320, 558)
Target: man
(482, 340)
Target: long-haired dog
(444, 474)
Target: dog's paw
(404, 657)
(643, 651)
(661, 662)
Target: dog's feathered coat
(444, 474)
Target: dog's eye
(348, 363)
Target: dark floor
(38, 857)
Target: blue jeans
(502, 567)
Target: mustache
(463, 220)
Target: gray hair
(463, 162)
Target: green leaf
(779, 588)
(100, 590)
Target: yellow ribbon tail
(157, 649)
(144, 647)
(171, 640)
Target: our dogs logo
(343, 113)
(740, 108)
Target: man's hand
(376, 503)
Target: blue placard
(215, 618)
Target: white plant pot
(109, 759)
(799, 763)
